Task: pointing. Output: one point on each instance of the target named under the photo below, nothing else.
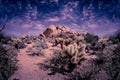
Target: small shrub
(42, 45)
(36, 53)
(113, 63)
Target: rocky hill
(61, 54)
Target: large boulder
(50, 31)
(53, 30)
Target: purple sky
(23, 17)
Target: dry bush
(112, 61)
(37, 49)
(4, 38)
(35, 52)
(7, 61)
(40, 44)
(85, 71)
(20, 45)
(89, 38)
(59, 63)
(116, 38)
(8, 53)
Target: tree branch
(4, 25)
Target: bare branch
(4, 25)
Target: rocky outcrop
(53, 30)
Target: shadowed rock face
(49, 31)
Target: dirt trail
(27, 68)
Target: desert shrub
(7, 61)
(36, 52)
(112, 65)
(37, 49)
(59, 59)
(20, 45)
(59, 63)
(116, 38)
(4, 38)
(42, 45)
(108, 59)
(89, 38)
(29, 39)
(85, 71)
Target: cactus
(75, 51)
(59, 41)
(82, 49)
(71, 49)
(67, 41)
(75, 60)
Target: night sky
(101, 17)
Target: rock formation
(53, 30)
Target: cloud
(97, 25)
(102, 26)
(19, 27)
(56, 1)
(28, 22)
(52, 19)
(49, 1)
(89, 16)
(67, 11)
(31, 13)
(92, 25)
(64, 15)
(75, 27)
